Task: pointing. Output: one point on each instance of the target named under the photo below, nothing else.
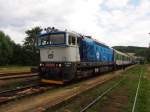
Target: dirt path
(48, 99)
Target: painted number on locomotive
(50, 56)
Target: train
(66, 56)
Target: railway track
(10, 95)
(104, 93)
(19, 73)
(11, 76)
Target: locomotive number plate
(50, 56)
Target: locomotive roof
(102, 44)
(58, 32)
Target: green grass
(14, 69)
(143, 101)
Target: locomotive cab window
(72, 40)
(56, 39)
(51, 39)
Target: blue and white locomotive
(66, 56)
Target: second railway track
(13, 73)
(10, 76)
(84, 109)
(12, 94)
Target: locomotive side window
(44, 41)
(72, 40)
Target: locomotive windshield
(51, 39)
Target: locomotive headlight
(41, 64)
(59, 65)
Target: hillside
(139, 51)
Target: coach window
(72, 40)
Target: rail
(9, 95)
(101, 96)
(18, 76)
(137, 91)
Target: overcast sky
(114, 22)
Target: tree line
(16, 54)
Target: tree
(6, 50)
(15, 54)
(17, 58)
(29, 46)
(31, 38)
(148, 55)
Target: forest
(16, 54)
